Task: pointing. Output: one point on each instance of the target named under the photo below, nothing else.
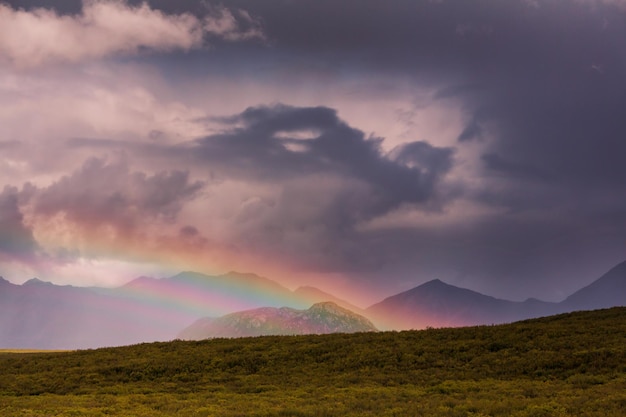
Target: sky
(360, 147)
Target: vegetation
(567, 365)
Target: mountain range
(42, 315)
(437, 304)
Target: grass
(567, 365)
(31, 351)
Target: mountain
(39, 314)
(607, 291)
(438, 304)
(200, 295)
(42, 315)
(311, 295)
(321, 318)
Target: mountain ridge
(607, 291)
(438, 304)
(48, 316)
(44, 315)
(321, 318)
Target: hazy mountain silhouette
(321, 318)
(438, 304)
(46, 316)
(42, 315)
(39, 314)
(607, 291)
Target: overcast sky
(362, 147)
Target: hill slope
(321, 318)
(567, 365)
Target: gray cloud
(269, 144)
(16, 238)
(531, 83)
(549, 123)
(540, 85)
(329, 176)
(102, 193)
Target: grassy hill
(567, 365)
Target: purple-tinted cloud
(16, 239)
(30, 38)
(268, 143)
(102, 193)
(501, 160)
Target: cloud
(222, 23)
(286, 142)
(499, 129)
(102, 194)
(30, 38)
(107, 218)
(9, 144)
(495, 162)
(16, 238)
(324, 178)
(618, 3)
(102, 212)
(294, 183)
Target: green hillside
(567, 365)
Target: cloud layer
(30, 38)
(478, 142)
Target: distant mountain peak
(326, 305)
(438, 304)
(329, 307)
(436, 283)
(140, 282)
(37, 281)
(313, 295)
(438, 287)
(607, 291)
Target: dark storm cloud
(472, 131)
(543, 87)
(314, 220)
(329, 176)
(550, 79)
(270, 144)
(546, 77)
(495, 162)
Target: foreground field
(567, 365)
(30, 351)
